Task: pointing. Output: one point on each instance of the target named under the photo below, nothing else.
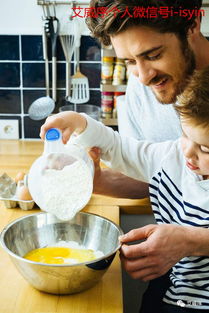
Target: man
(162, 52)
(155, 122)
(178, 172)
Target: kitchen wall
(22, 64)
(23, 16)
(22, 72)
(22, 77)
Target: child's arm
(118, 184)
(67, 122)
(136, 159)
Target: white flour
(68, 190)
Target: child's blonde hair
(193, 103)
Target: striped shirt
(178, 196)
(173, 202)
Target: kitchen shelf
(108, 51)
(52, 2)
(109, 121)
(113, 88)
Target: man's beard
(190, 64)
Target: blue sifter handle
(53, 141)
(53, 134)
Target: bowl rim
(4, 230)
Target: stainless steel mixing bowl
(42, 229)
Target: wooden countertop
(16, 294)
(17, 155)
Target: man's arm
(114, 184)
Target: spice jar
(116, 94)
(107, 70)
(107, 104)
(119, 74)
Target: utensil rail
(43, 2)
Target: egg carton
(12, 203)
(8, 194)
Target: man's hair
(110, 24)
(193, 104)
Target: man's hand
(95, 153)
(163, 247)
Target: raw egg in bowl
(88, 245)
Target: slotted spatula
(79, 82)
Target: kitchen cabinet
(109, 52)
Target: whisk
(67, 39)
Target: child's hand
(68, 122)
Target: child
(178, 173)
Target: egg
(23, 193)
(60, 255)
(19, 176)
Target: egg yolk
(60, 255)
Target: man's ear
(195, 28)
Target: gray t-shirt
(141, 116)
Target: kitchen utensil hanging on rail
(52, 31)
(79, 82)
(42, 107)
(67, 39)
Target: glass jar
(107, 104)
(119, 74)
(116, 94)
(107, 70)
